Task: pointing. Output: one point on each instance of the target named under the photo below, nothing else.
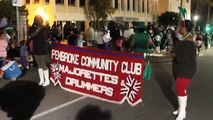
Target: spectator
(54, 31)
(72, 39)
(100, 38)
(114, 34)
(90, 35)
(199, 42)
(24, 55)
(119, 44)
(80, 40)
(142, 39)
(157, 39)
(12, 51)
(10, 28)
(3, 47)
(67, 30)
(59, 33)
(106, 39)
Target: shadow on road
(166, 81)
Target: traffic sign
(17, 3)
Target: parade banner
(106, 75)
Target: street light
(42, 13)
(196, 17)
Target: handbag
(147, 72)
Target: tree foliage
(8, 10)
(169, 18)
(99, 10)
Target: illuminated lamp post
(196, 17)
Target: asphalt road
(159, 98)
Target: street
(159, 98)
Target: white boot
(41, 76)
(46, 77)
(182, 100)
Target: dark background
(202, 12)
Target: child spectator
(119, 44)
(12, 51)
(80, 41)
(31, 46)
(106, 38)
(3, 47)
(24, 55)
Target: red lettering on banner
(107, 75)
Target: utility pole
(181, 3)
(196, 15)
(198, 1)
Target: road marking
(57, 108)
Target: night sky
(202, 11)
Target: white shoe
(41, 76)
(176, 112)
(46, 78)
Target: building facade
(135, 10)
(172, 5)
(73, 10)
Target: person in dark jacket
(40, 36)
(184, 66)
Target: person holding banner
(184, 65)
(40, 36)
